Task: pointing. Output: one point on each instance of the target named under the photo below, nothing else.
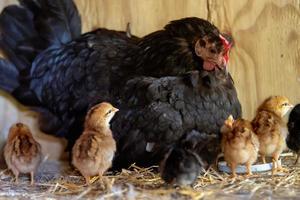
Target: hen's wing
(71, 78)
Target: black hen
(293, 138)
(158, 112)
(52, 67)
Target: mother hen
(60, 73)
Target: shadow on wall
(12, 112)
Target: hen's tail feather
(25, 31)
(10, 82)
(8, 76)
(57, 21)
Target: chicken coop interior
(264, 61)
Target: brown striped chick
(270, 128)
(22, 152)
(239, 144)
(94, 150)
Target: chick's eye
(285, 104)
(109, 112)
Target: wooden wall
(266, 57)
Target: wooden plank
(145, 16)
(266, 57)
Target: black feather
(293, 138)
(57, 21)
(8, 76)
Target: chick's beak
(116, 109)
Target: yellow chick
(270, 128)
(94, 150)
(22, 152)
(239, 144)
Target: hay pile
(57, 180)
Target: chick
(239, 144)
(182, 163)
(270, 128)
(293, 138)
(94, 150)
(22, 152)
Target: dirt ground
(57, 180)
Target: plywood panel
(264, 61)
(145, 16)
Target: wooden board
(265, 60)
(266, 57)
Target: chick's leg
(233, 169)
(274, 162)
(263, 158)
(277, 164)
(32, 178)
(17, 178)
(101, 178)
(87, 179)
(16, 173)
(297, 159)
(249, 172)
(104, 181)
(100, 175)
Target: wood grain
(265, 60)
(145, 16)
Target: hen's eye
(202, 43)
(213, 51)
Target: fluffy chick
(182, 163)
(240, 145)
(270, 128)
(94, 150)
(22, 152)
(293, 138)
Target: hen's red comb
(225, 42)
(226, 46)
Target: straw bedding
(57, 180)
